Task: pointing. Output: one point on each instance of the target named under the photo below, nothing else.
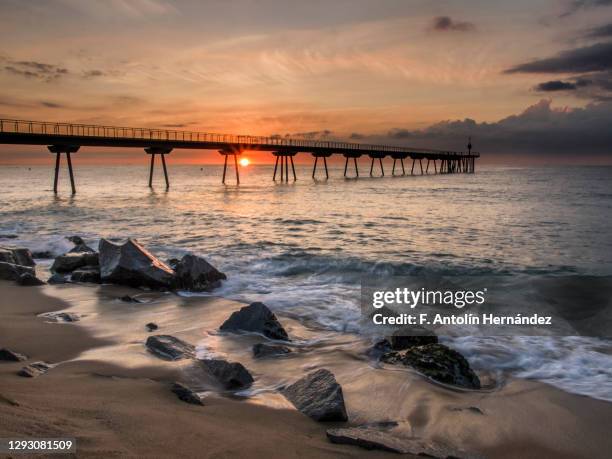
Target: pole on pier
(314, 169)
(371, 167)
(67, 150)
(412, 169)
(421, 165)
(235, 154)
(293, 169)
(285, 157)
(403, 170)
(378, 156)
(318, 155)
(354, 156)
(382, 169)
(325, 163)
(393, 170)
(427, 168)
(276, 167)
(161, 151)
(345, 166)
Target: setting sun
(245, 162)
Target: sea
(304, 247)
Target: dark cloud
(48, 104)
(93, 73)
(600, 32)
(579, 5)
(597, 57)
(540, 129)
(556, 85)
(36, 70)
(445, 23)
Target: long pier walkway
(67, 138)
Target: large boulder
(131, 264)
(70, 261)
(256, 318)
(231, 375)
(372, 438)
(437, 362)
(318, 395)
(169, 347)
(196, 274)
(11, 271)
(29, 280)
(17, 256)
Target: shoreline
(127, 409)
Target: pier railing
(14, 126)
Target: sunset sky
(527, 77)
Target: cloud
(579, 5)
(540, 129)
(597, 57)
(445, 23)
(92, 73)
(558, 85)
(36, 70)
(603, 31)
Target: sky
(529, 80)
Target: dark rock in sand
(129, 299)
(372, 438)
(399, 342)
(186, 394)
(256, 318)
(28, 280)
(196, 274)
(437, 362)
(79, 245)
(70, 261)
(131, 264)
(261, 350)
(34, 370)
(89, 274)
(57, 278)
(232, 375)
(11, 271)
(17, 256)
(318, 395)
(61, 316)
(169, 347)
(11, 356)
(151, 326)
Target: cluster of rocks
(17, 264)
(428, 357)
(32, 370)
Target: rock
(131, 264)
(79, 245)
(186, 394)
(34, 370)
(11, 271)
(437, 362)
(372, 438)
(89, 274)
(17, 256)
(61, 316)
(57, 278)
(172, 262)
(318, 395)
(257, 318)
(129, 299)
(28, 280)
(399, 342)
(42, 254)
(170, 348)
(269, 350)
(151, 326)
(196, 274)
(70, 261)
(232, 375)
(11, 356)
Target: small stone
(11, 356)
(61, 316)
(232, 375)
(169, 347)
(28, 280)
(34, 370)
(151, 326)
(186, 394)
(257, 318)
(261, 350)
(318, 395)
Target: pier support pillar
(354, 156)
(285, 157)
(374, 157)
(401, 157)
(324, 155)
(161, 151)
(67, 150)
(235, 154)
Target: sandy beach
(114, 398)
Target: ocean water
(303, 247)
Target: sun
(245, 162)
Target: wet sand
(114, 397)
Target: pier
(67, 138)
